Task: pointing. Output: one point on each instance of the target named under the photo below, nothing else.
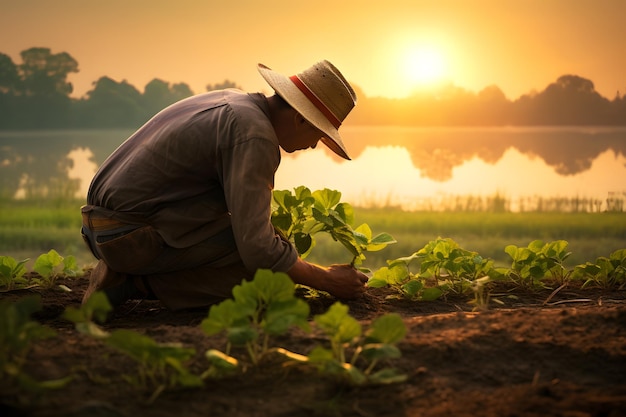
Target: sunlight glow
(425, 65)
(83, 169)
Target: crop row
(259, 311)
(266, 306)
(439, 267)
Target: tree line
(35, 94)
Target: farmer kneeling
(181, 211)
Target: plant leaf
(376, 351)
(338, 324)
(387, 376)
(387, 329)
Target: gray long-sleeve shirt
(197, 167)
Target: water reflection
(55, 164)
(436, 151)
(392, 178)
(82, 168)
(412, 167)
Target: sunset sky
(387, 48)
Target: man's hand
(345, 281)
(342, 281)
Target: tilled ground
(524, 357)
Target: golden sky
(386, 48)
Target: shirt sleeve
(248, 179)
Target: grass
(590, 235)
(29, 228)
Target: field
(28, 228)
(552, 350)
(526, 357)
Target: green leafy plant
(532, 264)
(366, 350)
(367, 242)
(12, 273)
(51, 265)
(95, 310)
(160, 366)
(606, 273)
(398, 276)
(18, 332)
(292, 218)
(452, 267)
(443, 267)
(266, 306)
(300, 215)
(259, 309)
(556, 253)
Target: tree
(39, 98)
(159, 94)
(181, 90)
(9, 85)
(111, 104)
(573, 84)
(223, 85)
(9, 76)
(45, 74)
(492, 107)
(572, 100)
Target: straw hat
(321, 95)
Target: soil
(533, 354)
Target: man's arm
(342, 281)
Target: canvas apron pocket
(130, 252)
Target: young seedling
(94, 310)
(367, 350)
(292, 218)
(160, 366)
(398, 276)
(452, 267)
(442, 264)
(51, 265)
(301, 215)
(12, 273)
(259, 309)
(606, 273)
(17, 335)
(556, 253)
(366, 242)
(531, 265)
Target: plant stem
(371, 366)
(251, 347)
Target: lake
(412, 167)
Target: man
(181, 211)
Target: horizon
(433, 88)
(389, 51)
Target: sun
(415, 63)
(424, 66)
